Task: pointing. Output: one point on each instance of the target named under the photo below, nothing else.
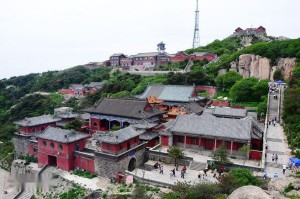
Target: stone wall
(109, 166)
(21, 145)
(163, 157)
(249, 65)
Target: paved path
(190, 176)
(276, 143)
(7, 185)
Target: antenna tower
(196, 40)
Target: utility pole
(196, 40)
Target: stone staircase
(28, 191)
(197, 166)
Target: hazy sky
(42, 35)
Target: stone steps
(25, 195)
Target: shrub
(289, 188)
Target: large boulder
(249, 192)
(259, 67)
(280, 183)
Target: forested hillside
(17, 98)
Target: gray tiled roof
(194, 108)
(144, 125)
(130, 108)
(177, 93)
(227, 112)
(147, 54)
(77, 86)
(117, 54)
(119, 136)
(95, 84)
(149, 135)
(61, 135)
(211, 126)
(33, 121)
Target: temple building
(207, 132)
(56, 147)
(116, 151)
(27, 128)
(175, 99)
(119, 113)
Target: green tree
(278, 75)
(175, 152)
(220, 155)
(244, 177)
(181, 188)
(245, 149)
(204, 191)
(242, 91)
(227, 80)
(75, 125)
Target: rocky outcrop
(286, 65)
(278, 185)
(249, 192)
(259, 67)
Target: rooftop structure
(61, 135)
(119, 136)
(39, 120)
(176, 93)
(130, 108)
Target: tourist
(215, 173)
(274, 122)
(276, 158)
(177, 167)
(276, 175)
(182, 173)
(205, 170)
(265, 175)
(265, 155)
(283, 168)
(184, 169)
(161, 170)
(273, 158)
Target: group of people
(273, 89)
(275, 158)
(273, 121)
(173, 171)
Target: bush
(244, 177)
(84, 174)
(289, 188)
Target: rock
(293, 193)
(286, 65)
(280, 183)
(259, 67)
(249, 192)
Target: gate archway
(132, 164)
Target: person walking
(161, 170)
(182, 173)
(283, 168)
(276, 175)
(273, 157)
(276, 158)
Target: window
(44, 143)
(77, 148)
(180, 139)
(240, 145)
(95, 124)
(61, 147)
(120, 147)
(108, 146)
(194, 141)
(33, 130)
(52, 145)
(35, 150)
(43, 128)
